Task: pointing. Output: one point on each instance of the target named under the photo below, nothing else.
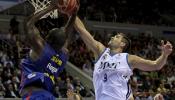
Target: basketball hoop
(42, 4)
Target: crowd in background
(154, 12)
(144, 84)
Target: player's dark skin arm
(69, 28)
(36, 41)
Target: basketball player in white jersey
(113, 67)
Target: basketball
(67, 6)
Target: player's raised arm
(68, 28)
(94, 45)
(33, 35)
(70, 14)
(149, 65)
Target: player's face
(115, 41)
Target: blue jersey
(44, 70)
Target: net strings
(42, 4)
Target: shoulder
(132, 59)
(105, 50)
(124, 54)
(100, 47)
(46, 51)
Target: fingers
(169, 45)
(168, 42)
(162, 42)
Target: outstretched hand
(64, 8)
(166, 48)
(75, 10)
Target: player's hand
(158, 97)
(75, 10)
(166, 48)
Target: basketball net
(42, 4)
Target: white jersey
(111, 76)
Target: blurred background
(145, 22)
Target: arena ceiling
(23, 9)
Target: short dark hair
(127, 42)
(56, 38)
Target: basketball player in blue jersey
(114, 67)
(46, 60)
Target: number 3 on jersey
(105, 78)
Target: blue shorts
(38, 95)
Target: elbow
(154, 66)
(157, 66)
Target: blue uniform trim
(100, 56)
(128, 62)
(128, 91)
